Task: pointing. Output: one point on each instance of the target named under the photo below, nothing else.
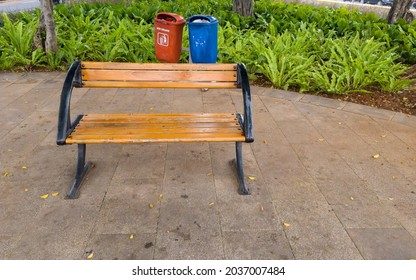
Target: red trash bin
(168, 37)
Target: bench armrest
(247, 121)
(73, 79)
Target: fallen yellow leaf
(394, 177)
(90, 256)
(252, 177)
(376, 156)
(26, 190)
(55, 194)
(24, 167)
(390, 198)
(160, 197)
(261, 209)
(209, 174)
(211, 203)
(286, 224)
(151, 205)
(151, 108)
(45, 196)
(5, 174)
(321, 139)
(265, 142)
(131, 236)
(351, 198)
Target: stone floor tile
(369, 111)
(326, 102)
(188, 231)
(248, 215)
(384, 243)
(256, 245)
(50, 245)
(7, 244)
(127, 216)
(314, 231)
(357, 214)
(132, 246)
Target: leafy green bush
(16, 44)
(293, 45)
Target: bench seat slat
(157, 138)
(158, 66)
(155, 130)
(160, 118)
(107, 124)
(158, 76)
(159, 128)
(148, 84)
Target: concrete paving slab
(404, 211)
(47, 246)
(235, 217)
(357, 214)
(14, 212)
(369, 111)
(281, 94)
(325, 102)
(256, 245)
(384, 243)
(127, 216)
(141, 161)
(188, 231)
(310, 237)
(135, 246)
(325, 164)
(6, 244)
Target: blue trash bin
(203, 39)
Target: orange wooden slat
(157, 76)
(157, 66)
(161, 118)
(158, 128)
(170, 84)
(128, 125)
(138, 130)
(154, 138)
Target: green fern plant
(16, 39)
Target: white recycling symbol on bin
(163, 39)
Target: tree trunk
(45, 35)
(244, 7)
(400, 9)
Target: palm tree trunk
(244, 7)
(400, 9)
(45, 35)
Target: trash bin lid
(202, 19)
(169, 18)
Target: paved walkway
(330, 180)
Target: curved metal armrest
(243, 81)
(64, 119)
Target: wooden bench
(153, 128)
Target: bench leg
(82, 170)
(243, 190)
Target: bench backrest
(157, 75)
